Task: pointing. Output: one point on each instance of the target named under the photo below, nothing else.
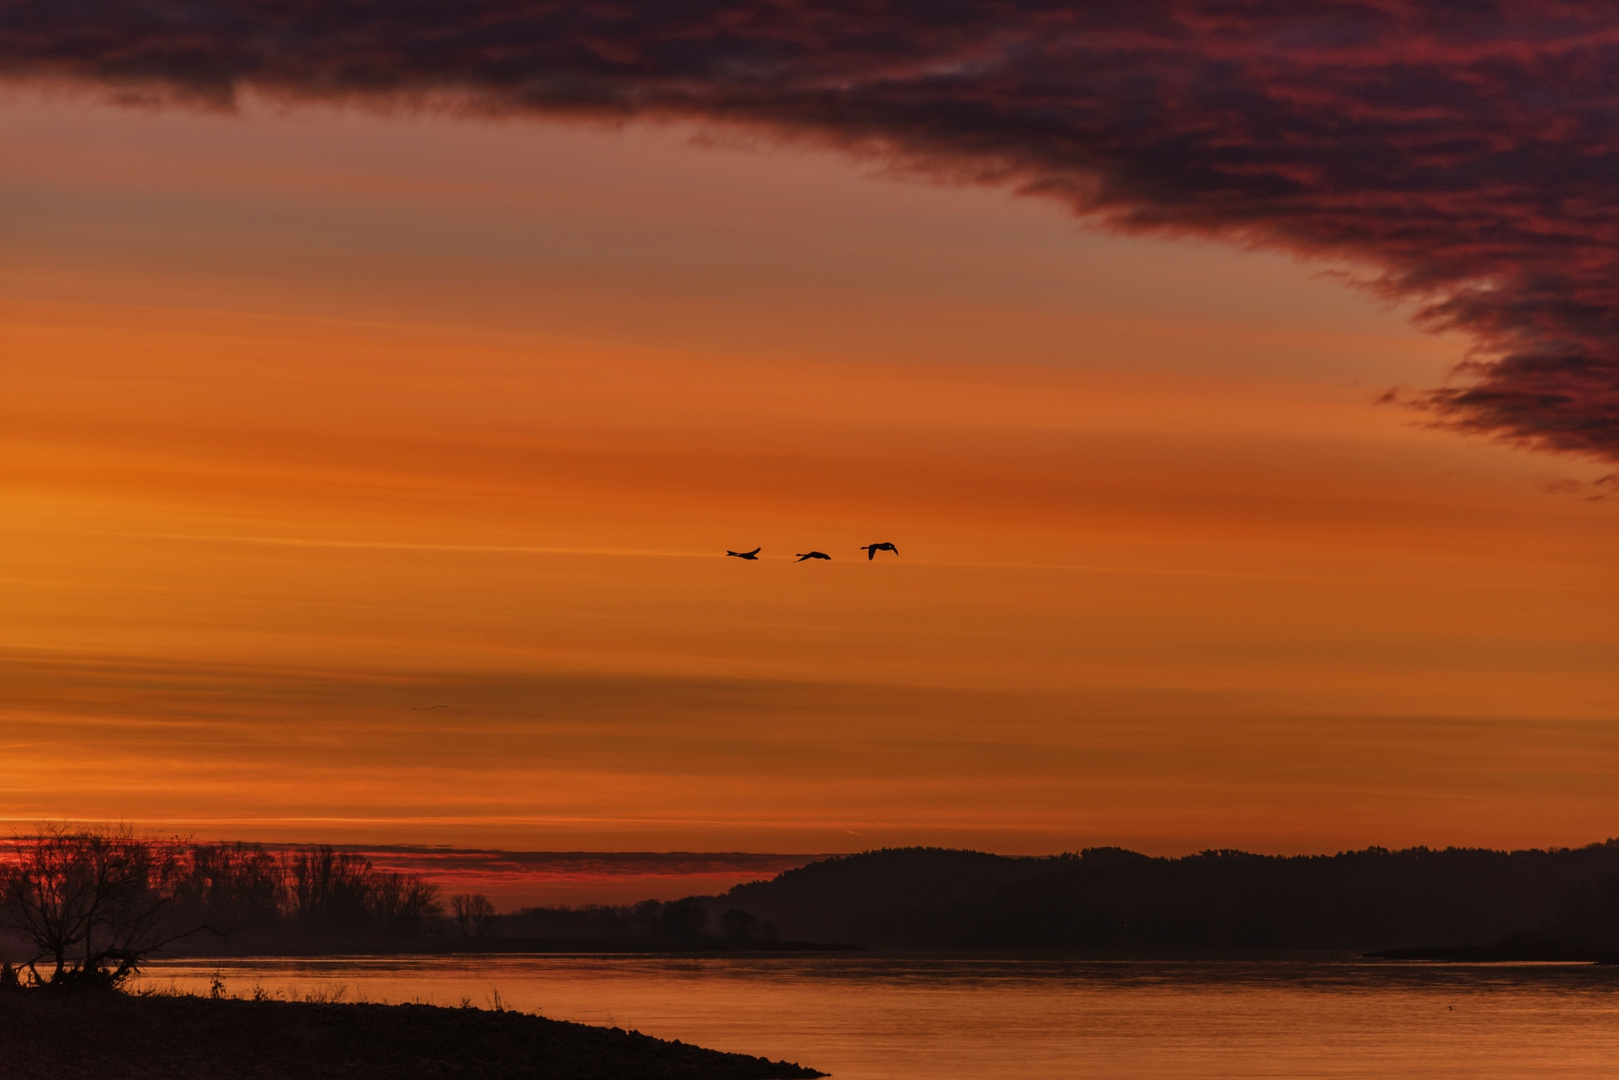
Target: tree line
(1548, 905)
(677, 923)
(1463, 903)
(87, 906)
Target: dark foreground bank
(114, 1036)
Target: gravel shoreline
(112, 1036)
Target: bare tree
(235, 889)
(91, 901)
(473, 913)
(402, 903)
(337, 894)
(329, 891)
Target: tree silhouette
(401, 904)
(329, 891)
(473, 913)
(739, 925)
(91, 901)
(333, 894)
(682, 920)
(235, 889)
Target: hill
(837, 899)
(1417, 902)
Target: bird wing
(871, 552)
(756, 551)
(894, 549)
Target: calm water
(866, 1019)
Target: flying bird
(813, 555)
(871, 550)
(751, 555)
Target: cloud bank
(523, 878)
(1466, 151)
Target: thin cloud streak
(1465, 153)
(400, 545)
(1070, 568)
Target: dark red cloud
(516, 879)
(1465, 151)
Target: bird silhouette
(813, 555)
(871, 550)
(751, 555)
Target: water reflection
(899, 1019)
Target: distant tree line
(667, 923)
(1419, 902)
(1552, 904)
(86, 906)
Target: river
(901, 1019)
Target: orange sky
(315, 421)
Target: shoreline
(1511, 953)
(175, 1036)
(505, 947)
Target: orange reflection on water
(865, 1019)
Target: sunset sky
(369, 450)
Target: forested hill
(1472, 902)
(831, 900)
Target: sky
(376, 419)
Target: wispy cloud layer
(1467, 152)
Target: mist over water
(888, 1019)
